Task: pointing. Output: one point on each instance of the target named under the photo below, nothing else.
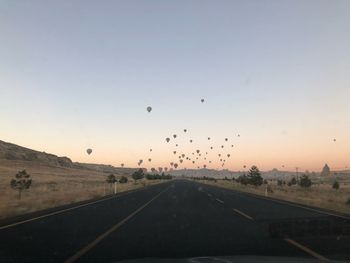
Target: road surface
(176, 219)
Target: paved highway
(175, 219)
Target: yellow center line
(85, 249)
(305, 249)
(242, 214)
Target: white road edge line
(67, 209)
(220, 201)
(281, 202)
(306, 249)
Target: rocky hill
(10, 151)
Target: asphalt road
(175, 219)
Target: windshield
(180, 130)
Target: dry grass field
(318, 195)
(53, 186)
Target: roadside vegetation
(40, 187)
(326, 193)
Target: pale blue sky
(80, 74)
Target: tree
(139, 174)
(123, 180)
(22, 181)
(279, 182)
(111, 179)
(293, 181)
(305, 181)
(326, 171)
(254, 176)
(335, 185)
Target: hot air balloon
(166, 169)
(209, 161)
(211, 148)
(122, 165)
(181, 160)
(171, 164)
(176, 145)
(149, 108)
(232, 145)
(191, 141)
(183, 155)
(160, 169)
(226, 139)
(150, 150)
(204, 166)
(205, 158)
(185, 130)
(200, 154)
(167, 139)
(219, 154)
(222, 146)
(149, 159)
(202, 100)
(174, 136)
(208, 138)
(175, 165)
(228, 155)
(153, 170)
(193, 161)
(238, 135)
(334, 140)
(174, 152)
(197, 151)
(89, 151)
(244, 166)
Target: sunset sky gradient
(80, 74)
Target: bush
(335, 185)
(123, 180)
(305, 181)
(279, 182)
(348, 201)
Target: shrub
(123, 180)
(348, 201)
(335, 185)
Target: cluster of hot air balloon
(198, 157)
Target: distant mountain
(10, 151)
(272, 174)
(205, 172)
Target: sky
(80, 74)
